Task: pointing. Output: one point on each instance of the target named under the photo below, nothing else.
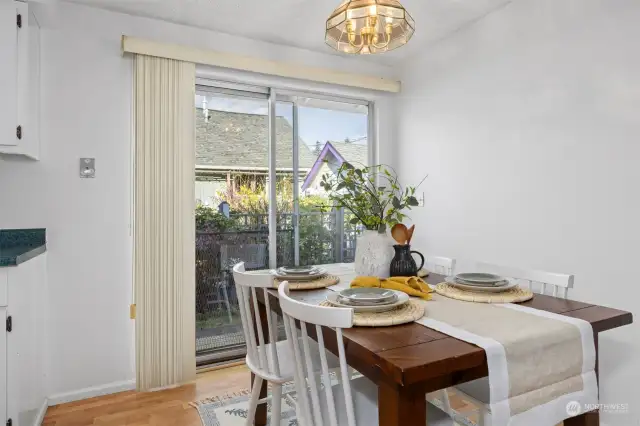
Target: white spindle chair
(346, 402)
(540, 282)
(272, 361)
(440, 265)
(556, 285)
(267, 361)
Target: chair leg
(296, 404)
(481, 413)
(446, 403)
(300, 416)
(276, 405)
(253, 402)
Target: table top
(412, 354)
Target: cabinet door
(8, 72)
(22, 71)
(25, 342)
(3, 366)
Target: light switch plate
(87, 168)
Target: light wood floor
(169, 407)
(164, 408)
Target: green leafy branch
(373, 194)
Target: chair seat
(365, 401)
(286, 361)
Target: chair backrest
(537, 281)
(305, 372)
(247, 287)
(254, 256)
(440, 265)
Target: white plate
(367, 295)
(496, 284)
(479, 277)
(304, 277)
(345, 301)
(494, 289)
(403, 298)
(297, 270)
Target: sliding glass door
(260, 155)
(331, 133)
(232, 211)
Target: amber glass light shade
(369, 26)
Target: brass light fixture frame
(369, 26)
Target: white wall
(86, 112)
(87, 221)
(528, 124)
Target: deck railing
(324, 237)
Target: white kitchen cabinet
(23, 292)
(3, 363)
(8, 69)
(19, 80)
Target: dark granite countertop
(19, 245)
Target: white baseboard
(41, 413)
(91, 392)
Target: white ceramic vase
(374, 252)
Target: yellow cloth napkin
(413, 286)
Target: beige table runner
(539, 362)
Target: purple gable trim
(328, 149)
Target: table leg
(400, 406)
(261, 410)
(586, 419)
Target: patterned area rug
(231, 410)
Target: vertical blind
(164, 229)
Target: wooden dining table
(408, 361)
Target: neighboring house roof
(334, 155)
(356, 153)
(232, 140)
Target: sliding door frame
(296, 186)
(274, 95)
(273, 201)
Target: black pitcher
(403, 264)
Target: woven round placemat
(513, 295)
(409, 312)
(326, 281)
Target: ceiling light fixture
(369, 26)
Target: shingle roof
(334, 154)
(232, 139)
(354, 153)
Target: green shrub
(317, 218)
(210, 219)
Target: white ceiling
(300, 23)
